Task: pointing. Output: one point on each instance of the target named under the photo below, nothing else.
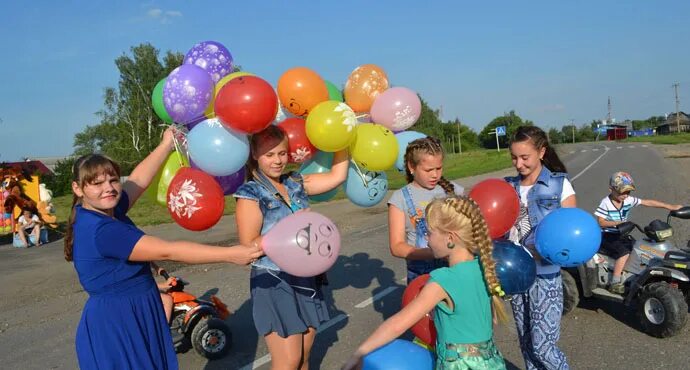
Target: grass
(681, 138)
(147, 212)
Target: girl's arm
(144, 172)
(569, 202)
(249, 225)
(150, 248)
(397, 241)
(658, 204)
(430, 296)
(317, 183)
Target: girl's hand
(354, 363)
(246, 254)
(168, 138)
(166, 285)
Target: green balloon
(334, 92)
(157, 101)
(158, 189)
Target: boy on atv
(614, 209)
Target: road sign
(501, 130)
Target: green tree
(428, 122)
(61, 180)
(510, 120)
(129, 129)
(468, 138)
(585, 133)
(555, 136)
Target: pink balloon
(397, 108)
(303, 244)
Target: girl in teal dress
(465, 296)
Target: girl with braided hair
(465, 296)
(406, 223)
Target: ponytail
(538, 138)
(69, 233)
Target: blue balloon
(404, 138)
(399, 355)
(319, 163)
(365, 188)
(568, 237)
(515, 267)
(216, 149)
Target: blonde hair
(85, 171)
(413, 155)
(461, 216)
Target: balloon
(194, 122)
(499, 204)
(365, 188)
(299, 146)
(303, 244)
(568, 237)
(158, 189)
(397, 108)
(330, 126)
(216, 149)
(157, 102)
(213, 57)
(515, 267)
(195, 200)
(399, 355)
(319, 163)
(300, 89)
(365, 83)
(404, 138)
(334, 92)
(210, 113)
(187, 92)
(229, 183)
(374, 148)
(247, 104)
(424, 329)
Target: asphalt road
(43, 299)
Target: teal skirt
(477, 356)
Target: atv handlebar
(683, 213)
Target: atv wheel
(571, 295)
(211, 338)
(662, 310)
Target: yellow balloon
(209, 113)
(158, 189)
(374, 147)
(331, 125)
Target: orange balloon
(365, 83)
(300, 89)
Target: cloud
(552, 108)
(163, 16)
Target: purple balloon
(229, 183)
(195, 122)
(211, 56)
(397, 108)
(187, 92)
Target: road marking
(583, 150)
(572, 151)
(267, 358)
(644, 146)
(631, 146)
(595, 150)
(619, 147)
(376, 297)
(606, 150)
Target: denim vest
(542, 199)
(272, 206)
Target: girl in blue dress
(123, 324)
(287, 309)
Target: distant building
(49, 162)
(32, 167)
(670, 126)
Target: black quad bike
(656, 277)
(198, 323)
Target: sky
(550, 61)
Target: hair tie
(499, 291)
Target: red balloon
(300, 147)
(424, 329)
(247, 104)
(499, 204)
(195, 200)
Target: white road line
(595, 150)
(631, 146)
(376, 297)
(606, 150)
(572, 151)
(267, 358)
(619, 147)
(644, 146)
(583, 150)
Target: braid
(427, 145)
(447, 186)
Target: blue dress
(123, 324)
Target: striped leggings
(538, 318)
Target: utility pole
(573, 127)
(675, 86)
(608, 118)
(459, 139)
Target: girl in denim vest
(407, 228)
(287, 309)
(543, 187)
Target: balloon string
(359, 172)
(179, 146)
